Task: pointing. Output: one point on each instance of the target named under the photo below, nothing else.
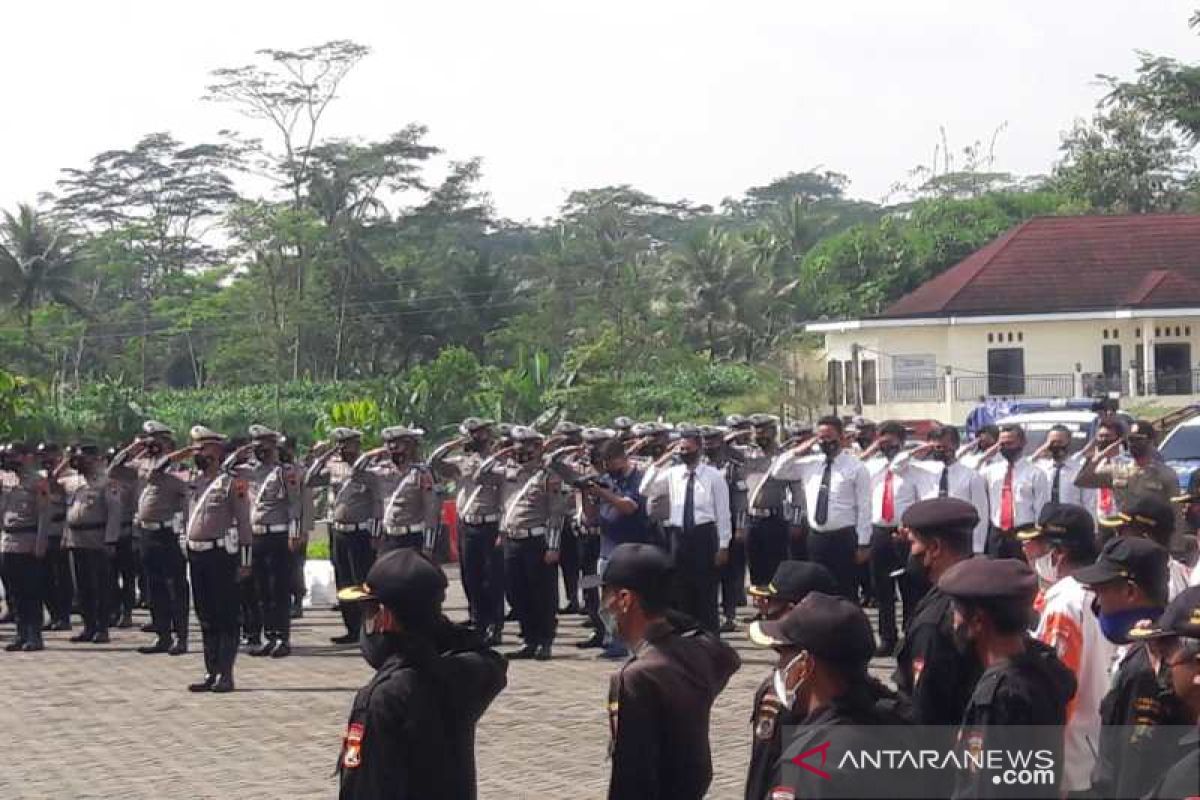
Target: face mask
(1044, 566)
(1116, 626)
(1138, 449)
(779, 683)
(1058, 451)
(690, 459)
(153, 448)
(1011, 453)
(608, 618)
(829, 447)
(889, 450)
(764, 441)
(962, 640)
(654, 450)
(202, 461)
(261, 453)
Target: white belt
(762, 513)
(202, 547)
(482, 519)
(156, 526)
(405, 530)
(262, 529)
(352, 527)
(527, 533)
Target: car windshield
(1183, 444)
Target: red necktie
(889, 500)
(1106, 501)
(1007, 509)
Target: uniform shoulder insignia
(352, 746)
(240, 486)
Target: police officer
(590, 528)
(534, 508)
(660, 701)
(767, 530)
(276, 505)
(161, 497)
(410, 510)
(570, 434)
(24, 512)
(351, 506)
(411, 732)
(219, 544)
(125, 555)
(824, 645)
(1136, 744)
(60, 586)
(1020, 701)
(93, 527)
(477, 499)
(733, 573)
(792, 582)
(623, 429)
(1175, 642)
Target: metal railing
(972, 387)
(912, 390)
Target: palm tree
(37, 263)
(713, 270)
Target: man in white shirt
(1064, 541)
(892, 492)
(978, 453)
(837, 501)
(936, 473)
(699, 527)
(1017, 490)
(1052, 458)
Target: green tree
(37, 264)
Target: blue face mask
(1116, 626)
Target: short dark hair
(611, 448)
(1008, 615)
(990, 430)
(893, 428)
(959, 540)
(1114, 424)
(1059, 428)
(940, 431)
(832, 421)
(1013, 427)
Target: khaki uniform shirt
(407, 497)
(351, 489)
(24, 513)
(93, 511)
(764, 494)
(1127, 479)
(275, 496)
(477, 490)
(160, 494)
(56, 502)
(533, 498)
(219, 506)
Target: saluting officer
(1020, 701)
(60, 586)
(533, 512)
(162, 495)
(570, 434)
(590, 533)
(477, 501)
(24, 512)
(93, 527)
(124, 569)
(410, 510)
(767, 530)
(276, 506)
(352, 507)
(219, 543)
(733, 573)
(792, 582)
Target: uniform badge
(918, 666)
(973, 742)
(352, 748)
(781, 793)
(765, 728)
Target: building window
(1006, 371)
(1106, 333)
(834, 382)
(868, 383)
(1187, 330)
(989, 338)
(1116, 333)
(1020, 336)
(851, 383)
(1138, 333)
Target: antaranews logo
(822, 750)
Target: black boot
(180, 647)
(161, 645)
(227, 650)
(210, 665)
(33, 638)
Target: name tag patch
(352, 747)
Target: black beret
(830, 627)
(1181, 618)
(795, 579)
(989, 579)
(403, 580)
(942, 518)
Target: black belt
(22, 529)
(94, 526)
(62, 518)
(703, 526)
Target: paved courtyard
(85, 720)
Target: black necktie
(822, 512)
(1054, 486)
(689, 503)
(944, 483)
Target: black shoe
(282, 650)
(543, 653)
(61, 625)
(728, 626)
(148, 627)
(595, 641)
(511, 616)
(179, 648)
(126, 620)
(101, 637)
(49, 626)
(204, 685)
(527, 652)
(885, 649)
(587, 623)
(263, 649)
(163, 645)
(33, 647)
(494, 638)
(345, 638)
(224, 684)
(297, 612)
(7, 619)
(83, 636)
(570, 608)
(252, 641)
(14, 647)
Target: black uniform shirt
(930, 672)
(1183, 779)
(767, 725)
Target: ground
(86, 720)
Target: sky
(689, 100)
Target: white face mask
(1045, 568)
(779, 682)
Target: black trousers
(482, 570)
(124, 576)
(693, 553)
(298, 586)
(798, 541)
(215, 592)
(166, 582)
(410, 541)
(251, 608)
(353, 555)
(589, 558)
(273, 583)
(93, 579)
(60, 584)
(533, 587)
(733, 579)
(1001, 544)
(887, 556)
(766, 546)
(835, 551)
(568, 562)
(25, 579)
